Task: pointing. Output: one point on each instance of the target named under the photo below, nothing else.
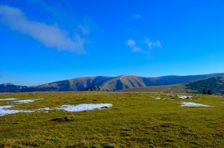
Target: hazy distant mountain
(77, 84)
(215, 85)
(99, 83)
(7, 87)
(167, 80)
(125, 81)
(103, 83)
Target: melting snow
(44, 109)
(28, 101)
(8, 99)
(185, 97)
(6, 109)
(192, 104)
(83, 107)
(21, 101)
(157, 98)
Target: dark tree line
(207, 91)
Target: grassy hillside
(135, 120)
(179, 88)
(215, 85)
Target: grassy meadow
(136, 119)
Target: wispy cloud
(132, 44)
(50, 35)
(144, 45)
(137, 16)
(152, 44)
(83, 29)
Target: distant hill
(98, 83)
(213, 84)
(104, 83)
(126, 81)
(7, 87)
(77, 84)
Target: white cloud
(152, 44)
(144, 46)
(83, 29)
(50, 35)
(132, 44)
(137, 16)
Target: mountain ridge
(211, 85)
(106, 83)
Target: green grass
(135, 120)
(177, 88)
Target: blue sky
(45, 40)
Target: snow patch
(83, 107)
(158, 98)
(8, 99)
(6, 107)
(6, 110)
(185, 97)
(21, 101)
(46, 109)
(43, 109)
(192, 104)
(28, 101)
